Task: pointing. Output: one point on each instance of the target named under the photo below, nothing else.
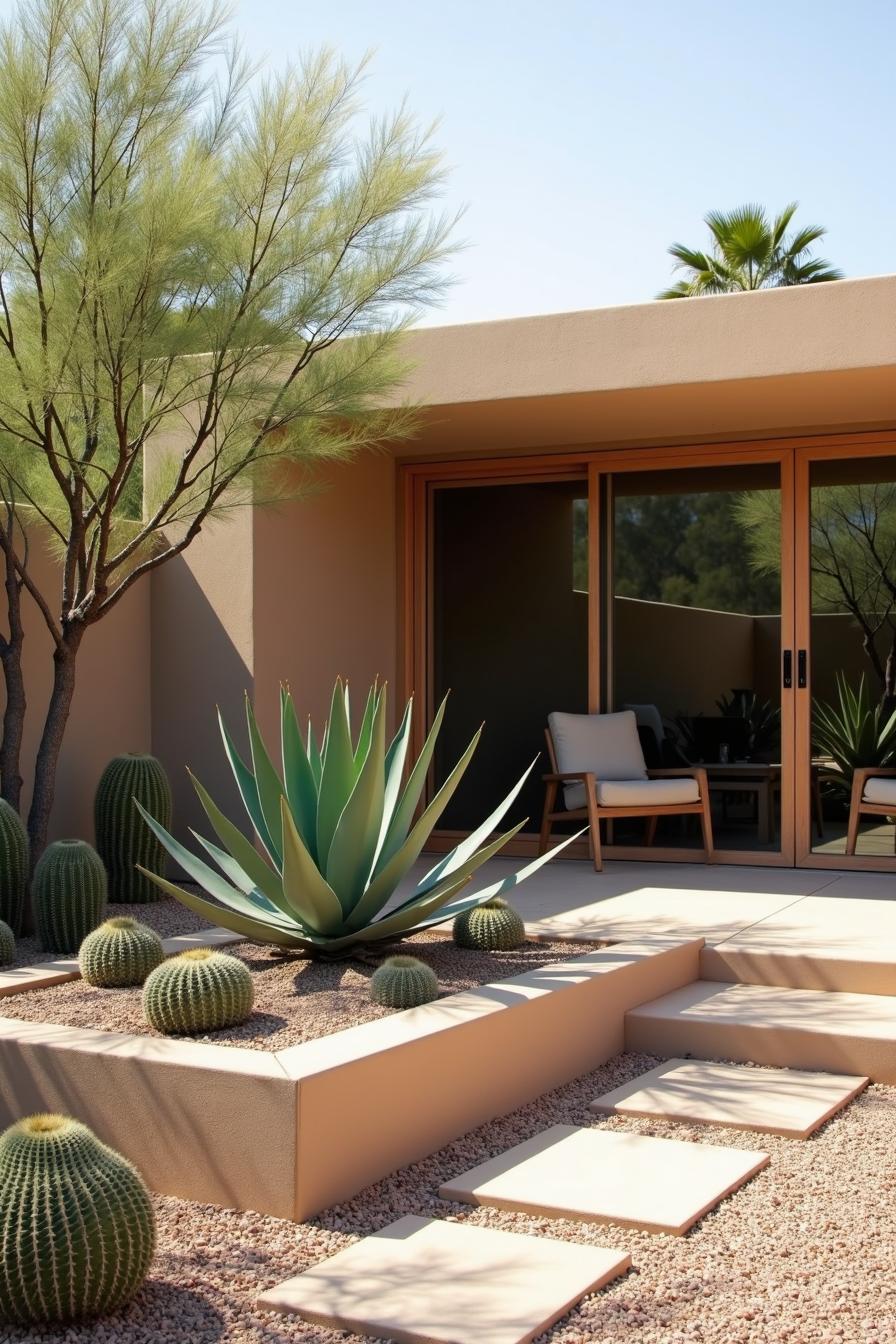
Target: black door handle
(787, 677)
(801, 680)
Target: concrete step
(848, 946)
(766, 1024)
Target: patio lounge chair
(598, 762)
(874, 792)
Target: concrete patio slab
(604, 1176)
(765, 1024)
(847, 944)
(773, 1101)
(446, 1283)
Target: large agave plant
(855, 731)
(339, 833)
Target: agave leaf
(200, 872)
(267, 781)
(394, 773)
(304, 886)
(387, 879)
(298, 775)
(404, 811)
(461, 853)
(259, 931)
(337, 775)
(462, 872)
(244, 852)
(357, 833)
(314, 755)
(228, 865)
(248, 788)
(373, 698)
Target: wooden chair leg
(706, 829)
(593, 823)
(852, 830)
(816, 804)
(651, 830)
(550, 799)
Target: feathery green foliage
(403, 982)
(119, 953)
(198, 990)
(14, 864)
(77, 1229)
(749, 251)
(493, 926)
(122, 837)
(339, 833)
(205, 274)
(69, 894)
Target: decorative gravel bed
(296, 1000)
(801, 1255)
(167, 917)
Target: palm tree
(750, 252)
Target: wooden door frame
(417, 481)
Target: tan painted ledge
(22, 979)
(293, 1132)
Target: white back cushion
(605, 744)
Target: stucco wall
(111, 709)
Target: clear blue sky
(586, 137)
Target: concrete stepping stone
(774, 1101)
(424, 1279)
(602, 1176)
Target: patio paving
(439, 1282)
(608, 1176)
(788, 1102)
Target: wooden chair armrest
(680, 772)
(865, 772)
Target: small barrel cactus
(77, 1230)
(119, 953)
(493, 926)
(14, 867)
(198, 991)
(7, 944)
(68, 894)
(122, 836)
(403, 982)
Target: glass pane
(510, 634)
(695, 640)
(853, 649)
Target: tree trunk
(51, 739)
(16, 702)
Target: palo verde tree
(749, 251)
(204, 277)
(853, 562)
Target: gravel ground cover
(803, 1254)
(167, 917)
(295, 1000)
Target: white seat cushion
(637, 793)
(878, 789)
(607, 745)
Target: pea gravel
(167, 917)
(803, 1254)
(295, 1000)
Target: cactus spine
(119, 953)
(68, 894)
(198, 991)
(122, 836)
(403, 982)
(14, 866)
(493, 926)
(7, 944)
(77, 1230)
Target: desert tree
(205, 273)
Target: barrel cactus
(403, 982)
(14, 867)
(198, 991)
(68, 894)
(77, 1230)
(119, 953)
(122, 836)
(7, 944)
(493, 926)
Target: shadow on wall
(197, 665)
